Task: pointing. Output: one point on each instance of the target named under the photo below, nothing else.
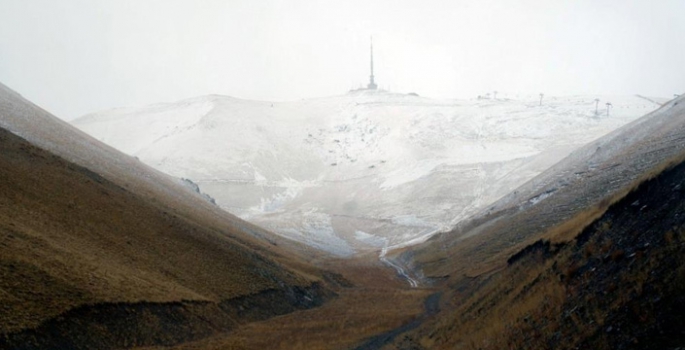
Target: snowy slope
(46, 131)
(561, 200)
(605, 166)
(365, 170)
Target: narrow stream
(400, 270)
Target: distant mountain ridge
(362, 171)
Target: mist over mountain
(342, 174)
(441, 224)
(362, 171)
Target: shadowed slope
(617, 285)
(109, 253)
(587, 255)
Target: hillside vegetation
(98, 250)
(619, 284)
(90, 259)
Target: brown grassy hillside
(78, 249)
(85, 263)
(97, 250)
(619, 284)
(376, 302)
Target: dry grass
(377, 303)
(69, 237)
(580, 295)
(569, 229)
(469, 256)
(340, 324)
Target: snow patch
(318, 232)
(368, 159)
(371, 240)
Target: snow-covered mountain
(363, 171)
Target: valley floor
(116, 255)
(377, 306)
(616, 285)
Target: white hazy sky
(77, 56)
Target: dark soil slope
(620, 284)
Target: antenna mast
(372, 84)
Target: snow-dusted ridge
(396, 167)
(37, 126)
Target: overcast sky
(73, 57)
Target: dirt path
(431, 306)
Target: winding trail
(431, 307)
